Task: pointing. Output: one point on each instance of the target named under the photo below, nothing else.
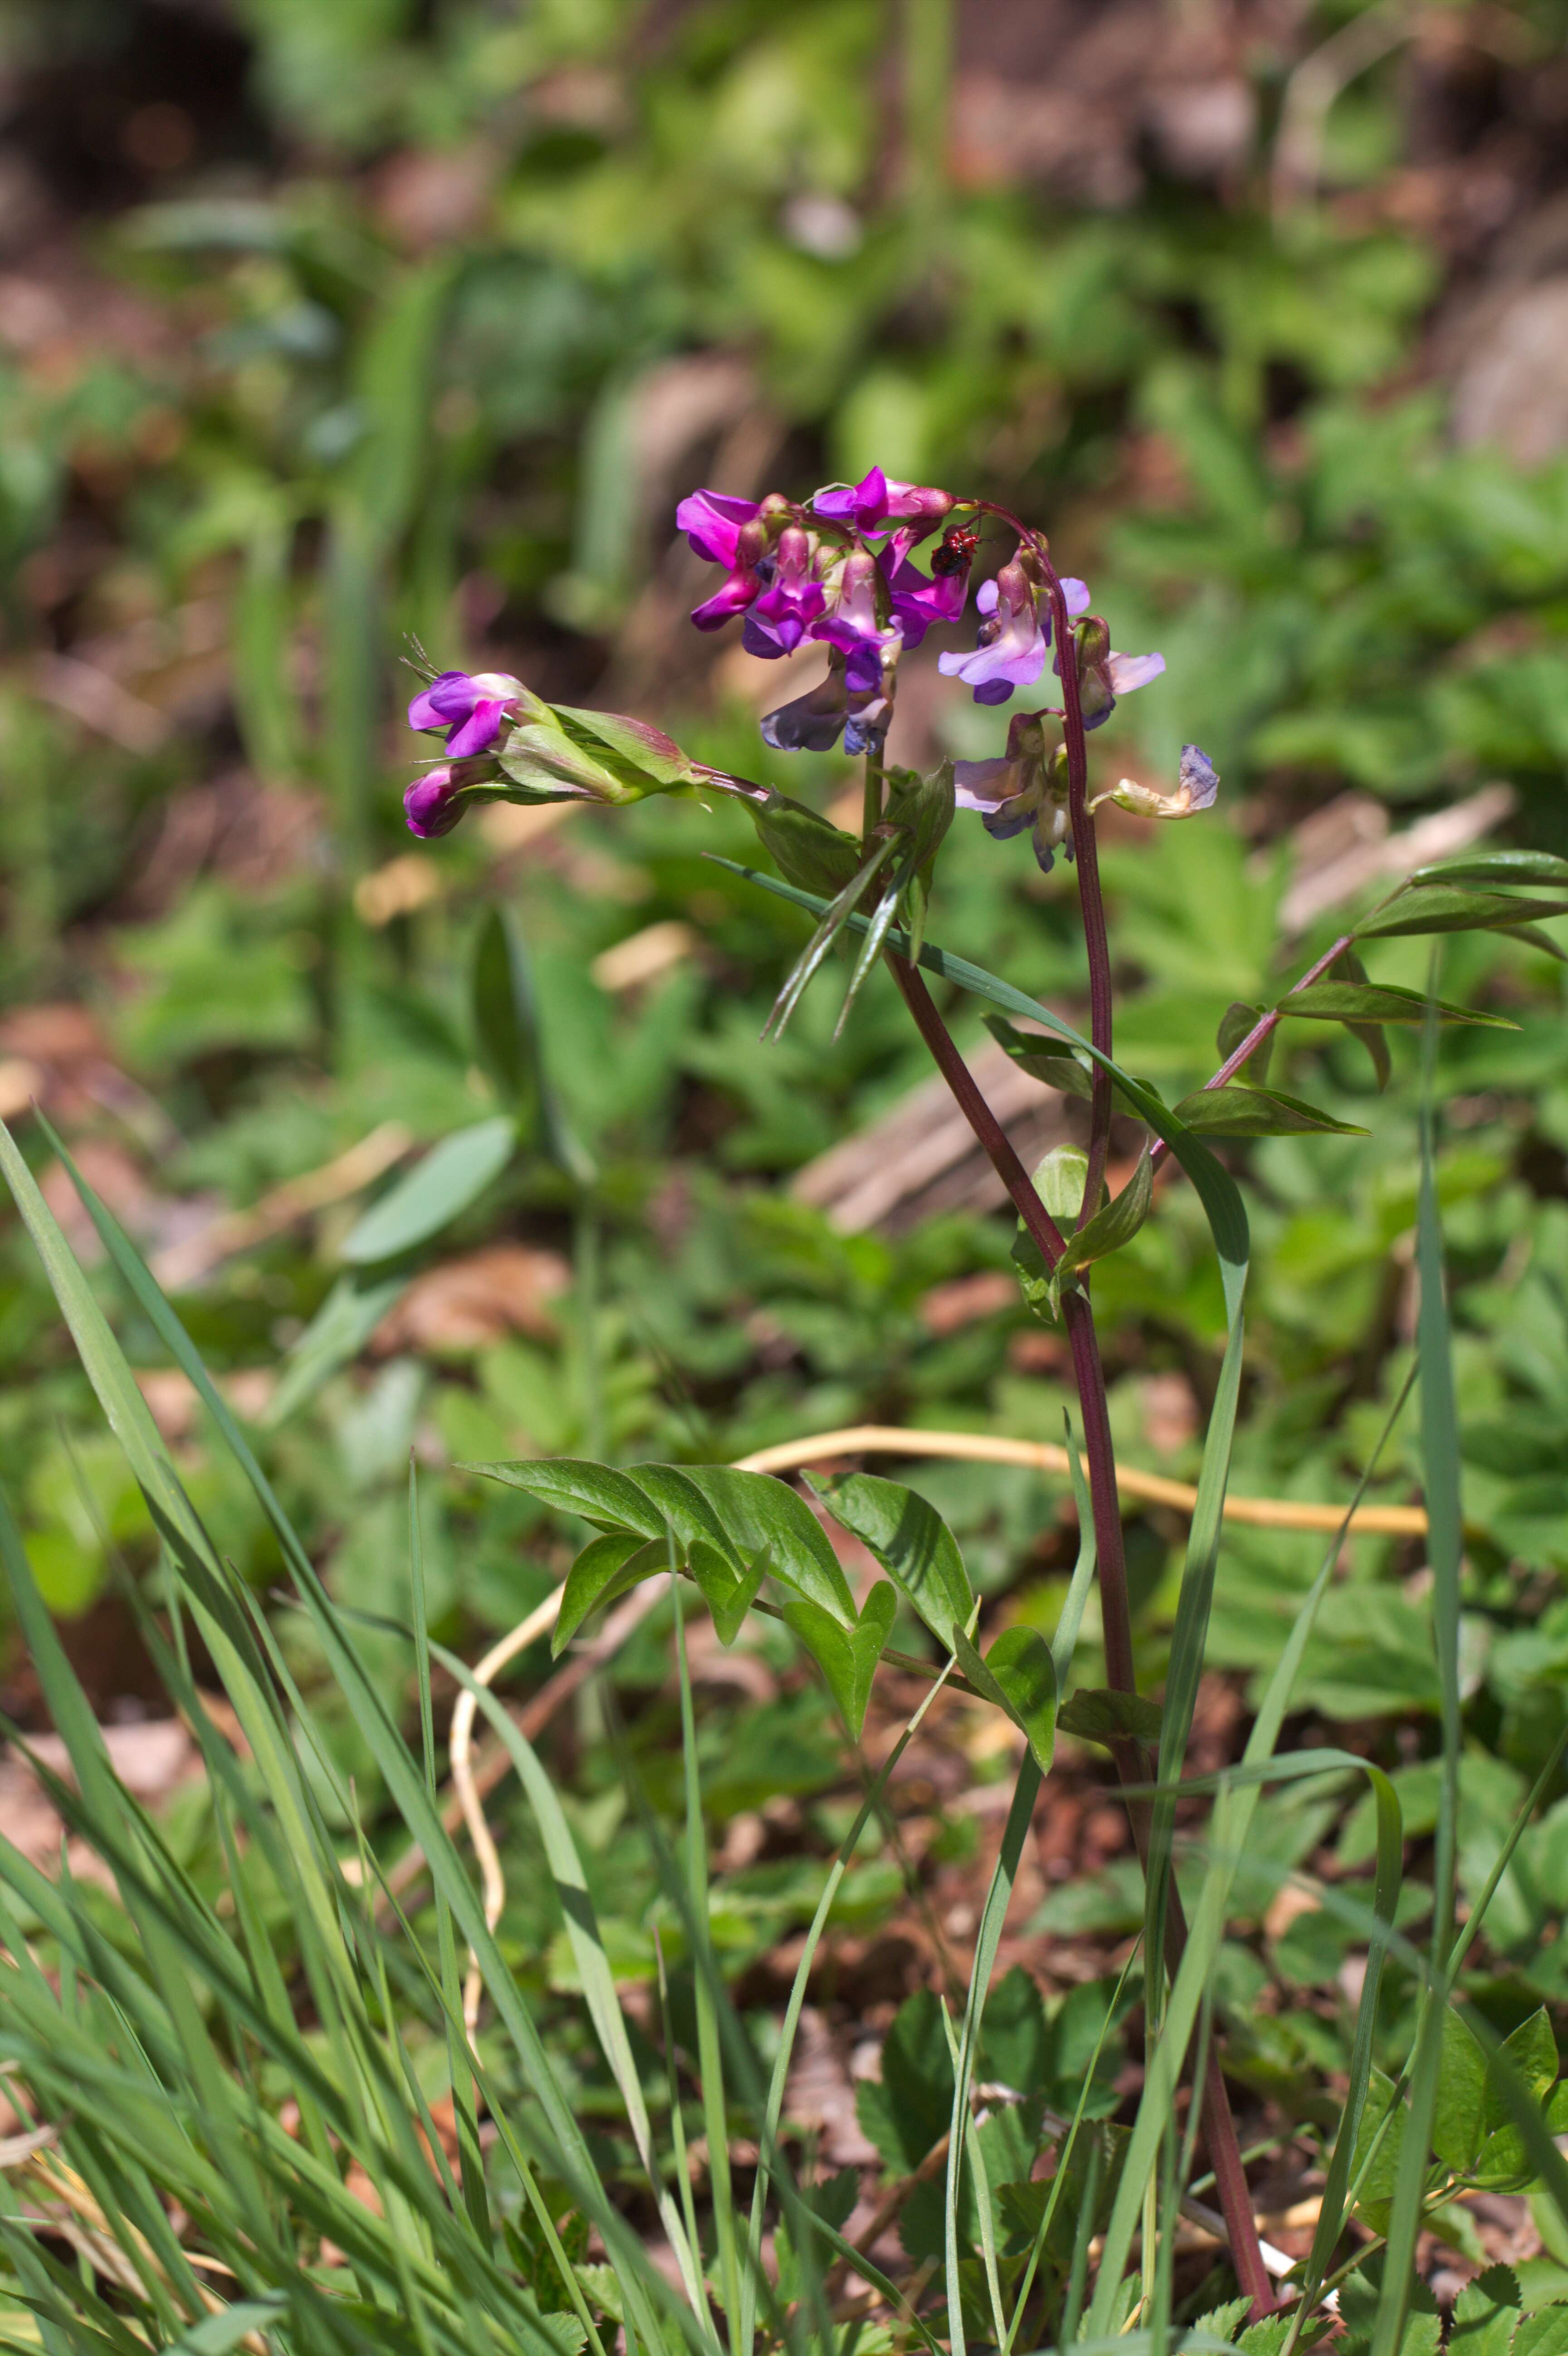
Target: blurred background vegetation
(327, 327)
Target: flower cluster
(839, 572)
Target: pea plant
(841, 570)
(263, 2109)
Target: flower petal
(1128, 672)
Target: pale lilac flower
(1103, 674)
(776, 622)
(877, 501)
(1010, 649)
(473, 704)
(1022, 787)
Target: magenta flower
(918, 600)
(473, 704)
(431, 803)
(712, 523)
(874, 502)
(777, 621)
(852, 623)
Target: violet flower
(852, 622)
(918, 599)
(776, 622)
(1103, 674)
(1013, 639)
(473, 704)
(1022, 787)
(854, 700)
(878, 501)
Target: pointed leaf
(1534, 938)
(606, 1568)
(1033, 1053)
(452, 1175)
(1237, 1111)
(1496, 867)
(1378, 1001)
(847, 1661)
(760, 1510)
(1019, 1675)
(572, 1485)
(1235, 1023)
(1442, 908)
(911, 1542)
(1115, 1223)
(1094, 1715)
(728, 1596)
(1458, 2121)
(1485, 2314)
(1532, 2052)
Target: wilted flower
(791, 598)
(473, 704)
(856, 699)
(1023, 788)
(1196, 783)
(877, 501)
(1013, 639)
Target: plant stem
(1091, 900)
(1133, 1766)
(871, 809)
(1262, 1029)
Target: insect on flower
(956, 552)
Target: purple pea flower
(1022, 787)
(1103, 674)
(918, 600)
(777, 621)
(878, 501)
(1013, 639)
(473, 704)
(855, 700)
(852, 624)
(431, 804)
(712, 523)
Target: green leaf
(1496, 867)
(1019, 1675)
(1485, 2314)
(1032, 1053)
(1378, 1001)
(1060, 1178)
(805, 847)
(760, 1512)
(1533, 937)
(1439, 908)
(682, 1507)
(1237, 1111)
(1531, 2051)
(454, 1174)
(1236, 1021)
(1348, 968)
(1114, 1225)
(1458, 2121)
(909, 2107)
(1095, 1715)
(832, 922)
(640, 750)
(729, 1595)
(1376, 2186)
(847, 1661)
(607, 1566)
(911, 1542)
(1544, 2333)
(571, 1485)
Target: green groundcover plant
(233, 2142)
